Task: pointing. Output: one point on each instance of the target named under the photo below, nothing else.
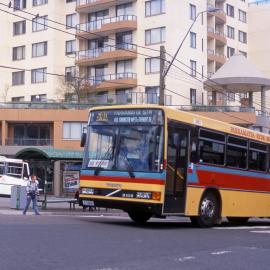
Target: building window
(230, 10)
(242, 16)
(155, 36)
(242, 36)
(39, 2)
(39, 75)
(124, 96)
(193, 96)
(125, 9)
(19, 28)
(71, 20)
(69, 1)
(18, 53)
(230, 32)
(70, 46)
(18, 77)
(152, 65)
(152, 94)
(193, 68)
(17, 99)
(39, 98)
(154, 7)
(40, 23)
(192, 40)
(70, 72)
(19, 4)
(231, 96)
(230, 52)
(39, 49)
(192, 12)
(123, 68)
(73, 130)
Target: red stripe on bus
(232, 181)
(122, 179)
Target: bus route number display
(127, 117)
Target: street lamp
(163, 71)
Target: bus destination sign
(127, 117)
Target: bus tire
(238, 220)
(209, 211)
(139, 217)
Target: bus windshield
(125, 148)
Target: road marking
(188, 258)
(242, 228)
(221, 252)
(260, 232)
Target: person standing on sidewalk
(32, 193)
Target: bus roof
(5, 159)
(197, 120)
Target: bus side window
(193, 151)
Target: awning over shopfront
(48, 153)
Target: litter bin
(18, 197)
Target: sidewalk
(57, 209)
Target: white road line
(242, 228)
(266, 232)
(188, 258)
(221, 252)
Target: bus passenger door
(177, 159)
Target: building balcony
(244, 116)
(87, 6)
(29, 142)
(220, 15)
(216, 56)
(219, 36)
(113, 81)
(131, 97)
(106, 54)
(106, 26)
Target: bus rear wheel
(238, 220)
(209, 209)
(139, 217)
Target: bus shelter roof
(238, 75)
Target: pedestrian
(32, 193)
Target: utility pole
(161, 76)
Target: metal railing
(85, 2)
(94, 53)
(96, 80)
(212, 52)
(212, 30)
(90, 101)
(29, 142)
(96, 25)
(206, 108)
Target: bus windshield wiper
(128, 166)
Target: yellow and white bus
(158, 161)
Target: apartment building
(227, 34)
(119, 43)
(28, 43)
(116, 47)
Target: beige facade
(40, 49)
(107, 54)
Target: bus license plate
(88, 203)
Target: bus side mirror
(176, 140)
(83, 138)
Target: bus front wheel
(208, 211)
(139, 217)
(238, 220)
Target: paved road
(115, 243)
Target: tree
(74, 87)
(5, 92)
